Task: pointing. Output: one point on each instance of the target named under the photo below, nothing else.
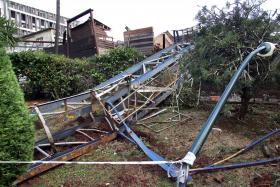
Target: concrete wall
(1, 8)
(47, 35)
(43, 19)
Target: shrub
(51, 76)
(55, 76)
(187, 97)
(16, 129)
(116, 60)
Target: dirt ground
(173, 144)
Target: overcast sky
(161, 14)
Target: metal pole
(46, 128)
(68, 40)
(163, 41)
(174, 37)
(190, 157)
(57, 25)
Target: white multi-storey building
(29, 19)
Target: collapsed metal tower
(75, 125)
(69, 127)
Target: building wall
(29, 19)
(47, 35)
(1, 8)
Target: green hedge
(16, 129)
(116, 60)
(55, 76)
(51, 76)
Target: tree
(7, 32)
(227, 36)
(16, 128)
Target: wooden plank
(105, 44)
(74, 154)
(142, 44)
(138, 36)
(139, 41)
(46, 128)
(80, 32)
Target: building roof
(102, 24)
(88, 11)
(35, 33)
(169, 35)
(96, 22)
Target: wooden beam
(74, 154)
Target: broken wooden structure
(87, 39)
(187, 34)
(163, 40)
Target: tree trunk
(245, 98)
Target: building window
(23, 25)
(51, 25)
(13, 14)
(33, 20)
(41, 14)
(42, 22)
(23, 17)
(51, 17)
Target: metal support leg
(47, 130)
(264, 49)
